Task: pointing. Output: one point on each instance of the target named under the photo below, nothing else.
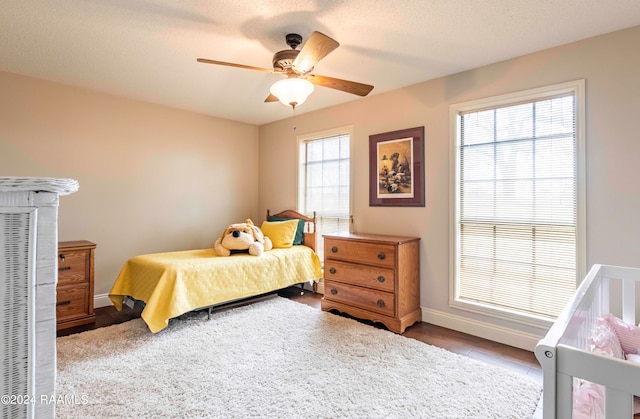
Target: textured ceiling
(147, 49)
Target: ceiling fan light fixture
(292, 91)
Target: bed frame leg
(209, 313)
(312, 284)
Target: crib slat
(629, 301)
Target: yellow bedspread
(174, 283)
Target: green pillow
(299, 238)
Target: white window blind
(324, 182)
(517, 206)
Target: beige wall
(609, 64)
(151, 178)
(156, 179)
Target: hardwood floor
(481, 349)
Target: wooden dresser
(373, 277)
(74, 292)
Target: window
(518, 246)
(324, 182)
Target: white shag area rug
(277, 359)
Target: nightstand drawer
(352, 251)
(362, 275)
(72, 301)
(72, 266)
(74, 291)
(368, 299)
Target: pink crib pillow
(588, 401)
(605, 340)
(628, 334)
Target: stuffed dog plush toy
(242, 236)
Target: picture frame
(396, 168)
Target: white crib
(564, 353)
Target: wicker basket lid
(40, 184)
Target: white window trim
(332, 132)
(576, 88)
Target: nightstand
(74, 291)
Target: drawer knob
(65, 268)
(381, 279)
(380, 303)
(381, 255)
(334, 249)
(334, 291)
(61, 256)
(63, 303)
(332, 270)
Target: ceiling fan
(297, 66)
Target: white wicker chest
(28, 275)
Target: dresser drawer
(72, 301)
(72, 266)
(368, 299)
(360, 252)
(362, 275)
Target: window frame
(301, 140)
(577, 88)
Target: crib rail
(564, 353)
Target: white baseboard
(507, 336)
(101, 300)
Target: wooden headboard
(310, 225)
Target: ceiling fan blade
(352, 87)
(248, 67)
(271, 98)
(316, 48)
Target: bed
(582, 374)
(173, 283)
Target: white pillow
(635, 358)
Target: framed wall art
(396, 168)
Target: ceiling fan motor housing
(283, 60)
